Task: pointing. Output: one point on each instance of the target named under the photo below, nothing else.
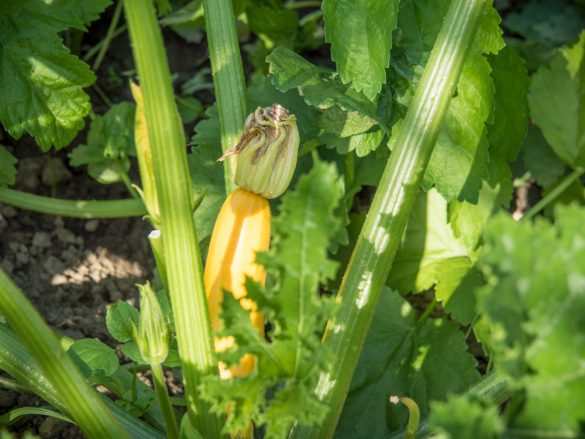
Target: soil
(70, 269)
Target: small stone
(9, 212)
(53, 265)
(92, 225)
(55, 172)
(59, 222)
(79, 241)
(66, 236)
(13, 246)
(59, 279)
(22, 259)
(7, 266)
(42, 239)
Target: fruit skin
(241, 230)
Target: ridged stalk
(81, 402)
(72, 208)
(228, 75)
(17, 362)
(173, 184)
(381, 234)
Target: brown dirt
(70, 269)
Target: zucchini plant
(406, 285)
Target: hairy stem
(173, 183)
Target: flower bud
(267, 151)
(153, 334)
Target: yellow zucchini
(241, 230)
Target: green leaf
(93, 357)
(121, 319)
(288, 367)
(344, 123)
(538, 158)
(468, 219)
(261, 93)
(110, 142)
(532, 305)
(42, 90)
(550, 23)
(363, 143)
(278, 25)
(507, 129)
(557, 103)
(207, 131)
(318, 87)
(424, 362)
(208, 181)
(132, 351)
(430, 255)
(7, 168)
(465, 416)
(360, 33)
(459, 160)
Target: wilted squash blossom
(266, 152)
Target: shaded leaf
(430, 255)
(424, 362)
(93, 356)
(557, 103)
(7, 168)
(110, 143)
(318, 87)
(539, 158)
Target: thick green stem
(72, 208)
(17, 362)
(81, 401)
(381, 234)
(228, 76)
(164, 401)
(173, 183)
